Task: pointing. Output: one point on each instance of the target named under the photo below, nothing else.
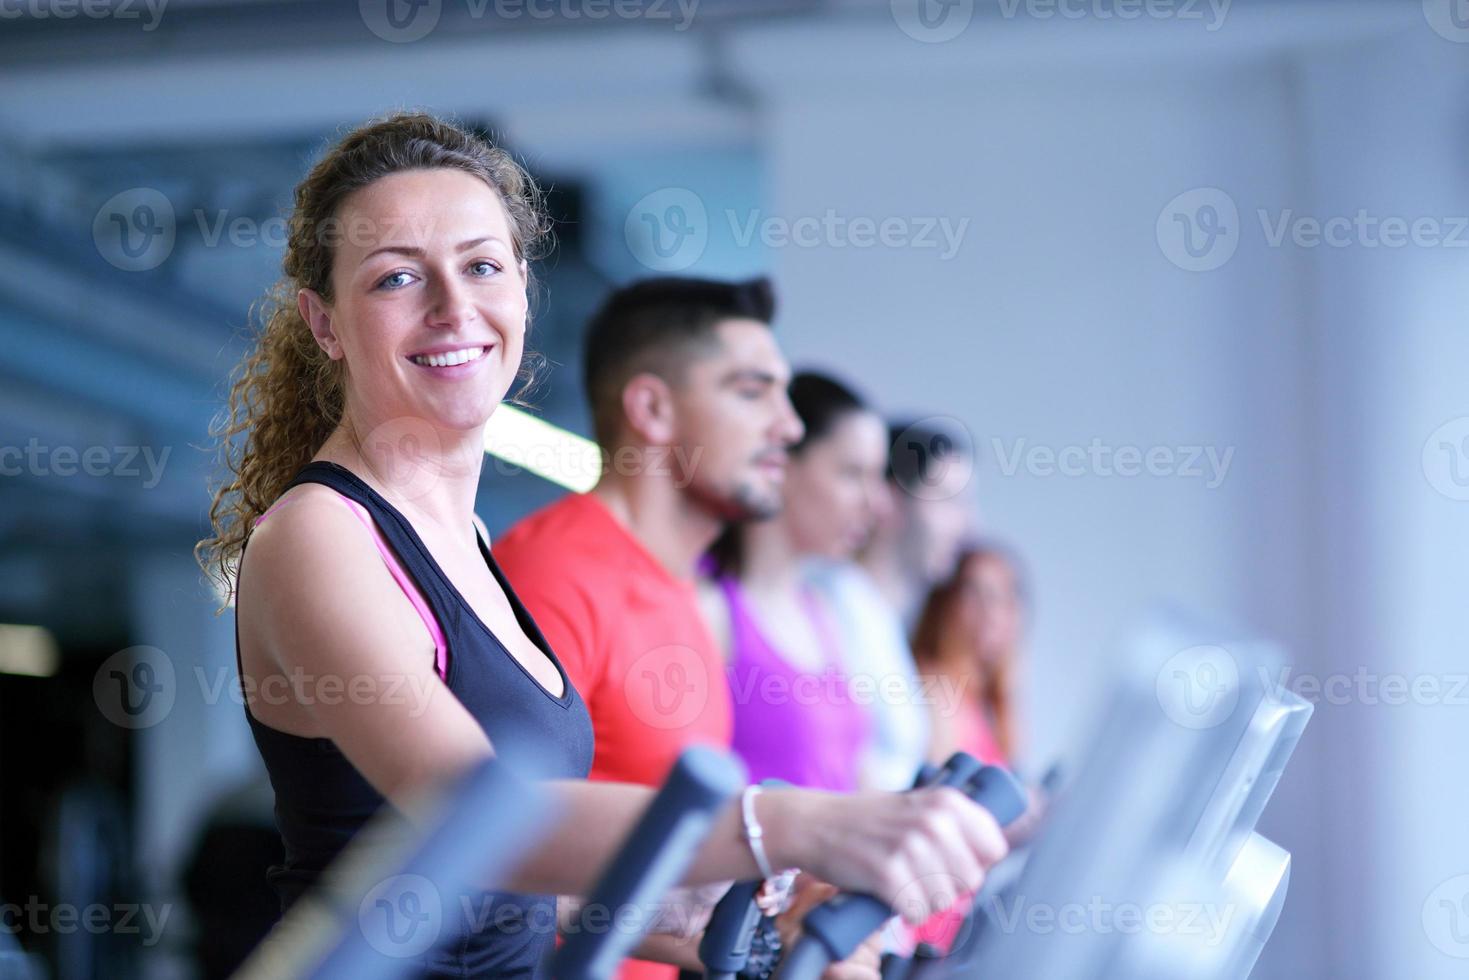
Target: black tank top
(321, 800)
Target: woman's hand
(917, 851)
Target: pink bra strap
(400, 575)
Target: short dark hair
(656, 325)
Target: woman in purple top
(797, 714)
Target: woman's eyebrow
(417, 252)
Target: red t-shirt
(631, 638)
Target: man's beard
(741, 503)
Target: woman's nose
(452, 306)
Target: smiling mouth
(450, 358)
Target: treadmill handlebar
(837, 927)
(652, 860)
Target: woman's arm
(325, 608)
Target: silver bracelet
(754, 833)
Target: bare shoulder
(323, 612)
(306, 524)
(310, 566)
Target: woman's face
(994, 605)
(429, 303)
(834, 488)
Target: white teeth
(451, 358)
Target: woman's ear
(647, 405)
(318, 316)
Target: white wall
(1061, 320)
(1387, 131)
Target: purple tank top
(789, 723)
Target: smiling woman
(354, 444)
(289, 393)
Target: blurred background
(1192, 275)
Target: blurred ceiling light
(28, 650)
(526, 442)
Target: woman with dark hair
(795, 714)
(968, 642)
(380, 649)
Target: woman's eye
(388, 281)
(488, 267)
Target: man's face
(735, 422)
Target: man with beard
(687, 389)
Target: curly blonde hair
(286, 395)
